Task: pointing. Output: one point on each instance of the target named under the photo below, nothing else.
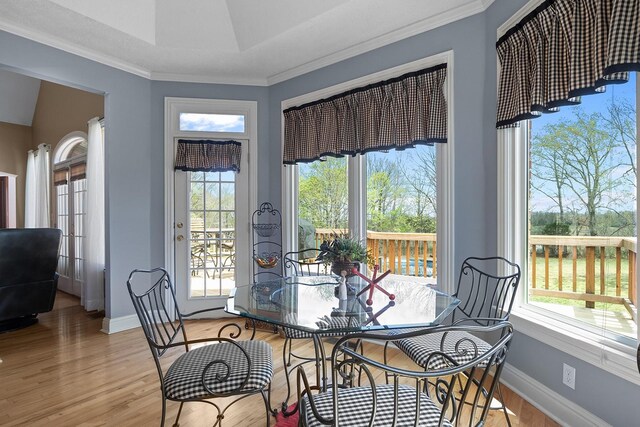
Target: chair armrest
(224, 377)
(304, 388)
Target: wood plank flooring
(64, 372)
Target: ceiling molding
(440, 20)
(193, 78)
(58, 43)
(461, 12)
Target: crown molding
(440, 20)
(461, 12)
(58, 43)
(516, 17)
(194, 78)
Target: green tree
(323, 194)
(385, 192)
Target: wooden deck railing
(586, 278)
(589, 282)
(412, 254)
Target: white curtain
(94, 244)
(37, 202)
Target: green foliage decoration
(345, 249)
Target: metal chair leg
(285, 364)
(176, 423)
(504, 407)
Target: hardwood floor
(64, 372)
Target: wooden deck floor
(64, 372)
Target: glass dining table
(310, 304)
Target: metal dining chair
(486, 288)
(355, 399)
(222, 368)
(306, 262)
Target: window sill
(604, 353)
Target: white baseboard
(119, 324)
(554, 405)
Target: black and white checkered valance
(562, 50)
(397, 113)
(208, 156)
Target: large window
(582, 212)
(401, 210)
(568, 214)
(396, 200)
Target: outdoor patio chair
(486, 288)
(415, 396)
(218, 368)
(306, 262)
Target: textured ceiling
(227, 41)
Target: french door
(207, 214)
(70, 216)
(211, 241)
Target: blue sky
(206, 122)
(592, 103)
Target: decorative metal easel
(266, 227)
(266, 224)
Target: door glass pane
(401, 210)
(212, 232)
(79, 205)
(323, 201)
(62, 221)
(202, 122)
(582, 212)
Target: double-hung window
(567, 196)
(395, 200)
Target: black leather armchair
(28, 278)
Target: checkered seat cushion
(355, 406)
(325, 322)
(421, 347)
(183, 380)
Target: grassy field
(567, 280)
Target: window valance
(208, 155)
(397, 113)
(565, 49)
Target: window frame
(356, 166)
(512, 236)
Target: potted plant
(344, 254)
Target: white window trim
(172, 109)
(540, 324)
(445, 168)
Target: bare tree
(621, 123)
(580, 156)
(550, 174)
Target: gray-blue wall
(134, 148)
(127, 151)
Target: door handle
(180, 238)
(179, 225)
